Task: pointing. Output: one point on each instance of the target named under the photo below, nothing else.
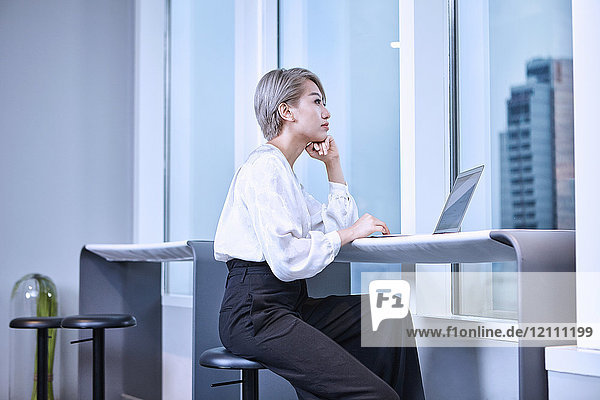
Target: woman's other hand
(325, 151)
(365, 226)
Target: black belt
(237, 263)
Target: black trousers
(315, 344)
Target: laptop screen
(458, 201)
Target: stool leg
(98, 364)
(42, 363)
(249, 384)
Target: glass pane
(201, 124)
(347, 44)
(516, 117)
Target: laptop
(456, 204)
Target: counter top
(472, 247)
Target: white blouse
(269, 216)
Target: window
(347, 44)
(516, 116)
(201, 127)
(212, 127)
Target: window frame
(435, 287)
(255, 52)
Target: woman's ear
(285, 112)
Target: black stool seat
(96, 321)
(220, 357)
(35, 322)
(42, 324)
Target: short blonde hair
(276, 87)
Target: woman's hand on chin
(325, 151)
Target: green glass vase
(32, 295)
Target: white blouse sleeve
(273, 206)
(340, 212)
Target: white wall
(66, 145)
(573, 371)
(586, 86)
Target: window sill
(573, 360)
(177, 300)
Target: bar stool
(98, 322)
(42, 324)
(220, 357)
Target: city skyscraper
(536, 151)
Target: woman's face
(310, 114)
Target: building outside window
(515, 111)
(536, 151)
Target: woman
(273, 235)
